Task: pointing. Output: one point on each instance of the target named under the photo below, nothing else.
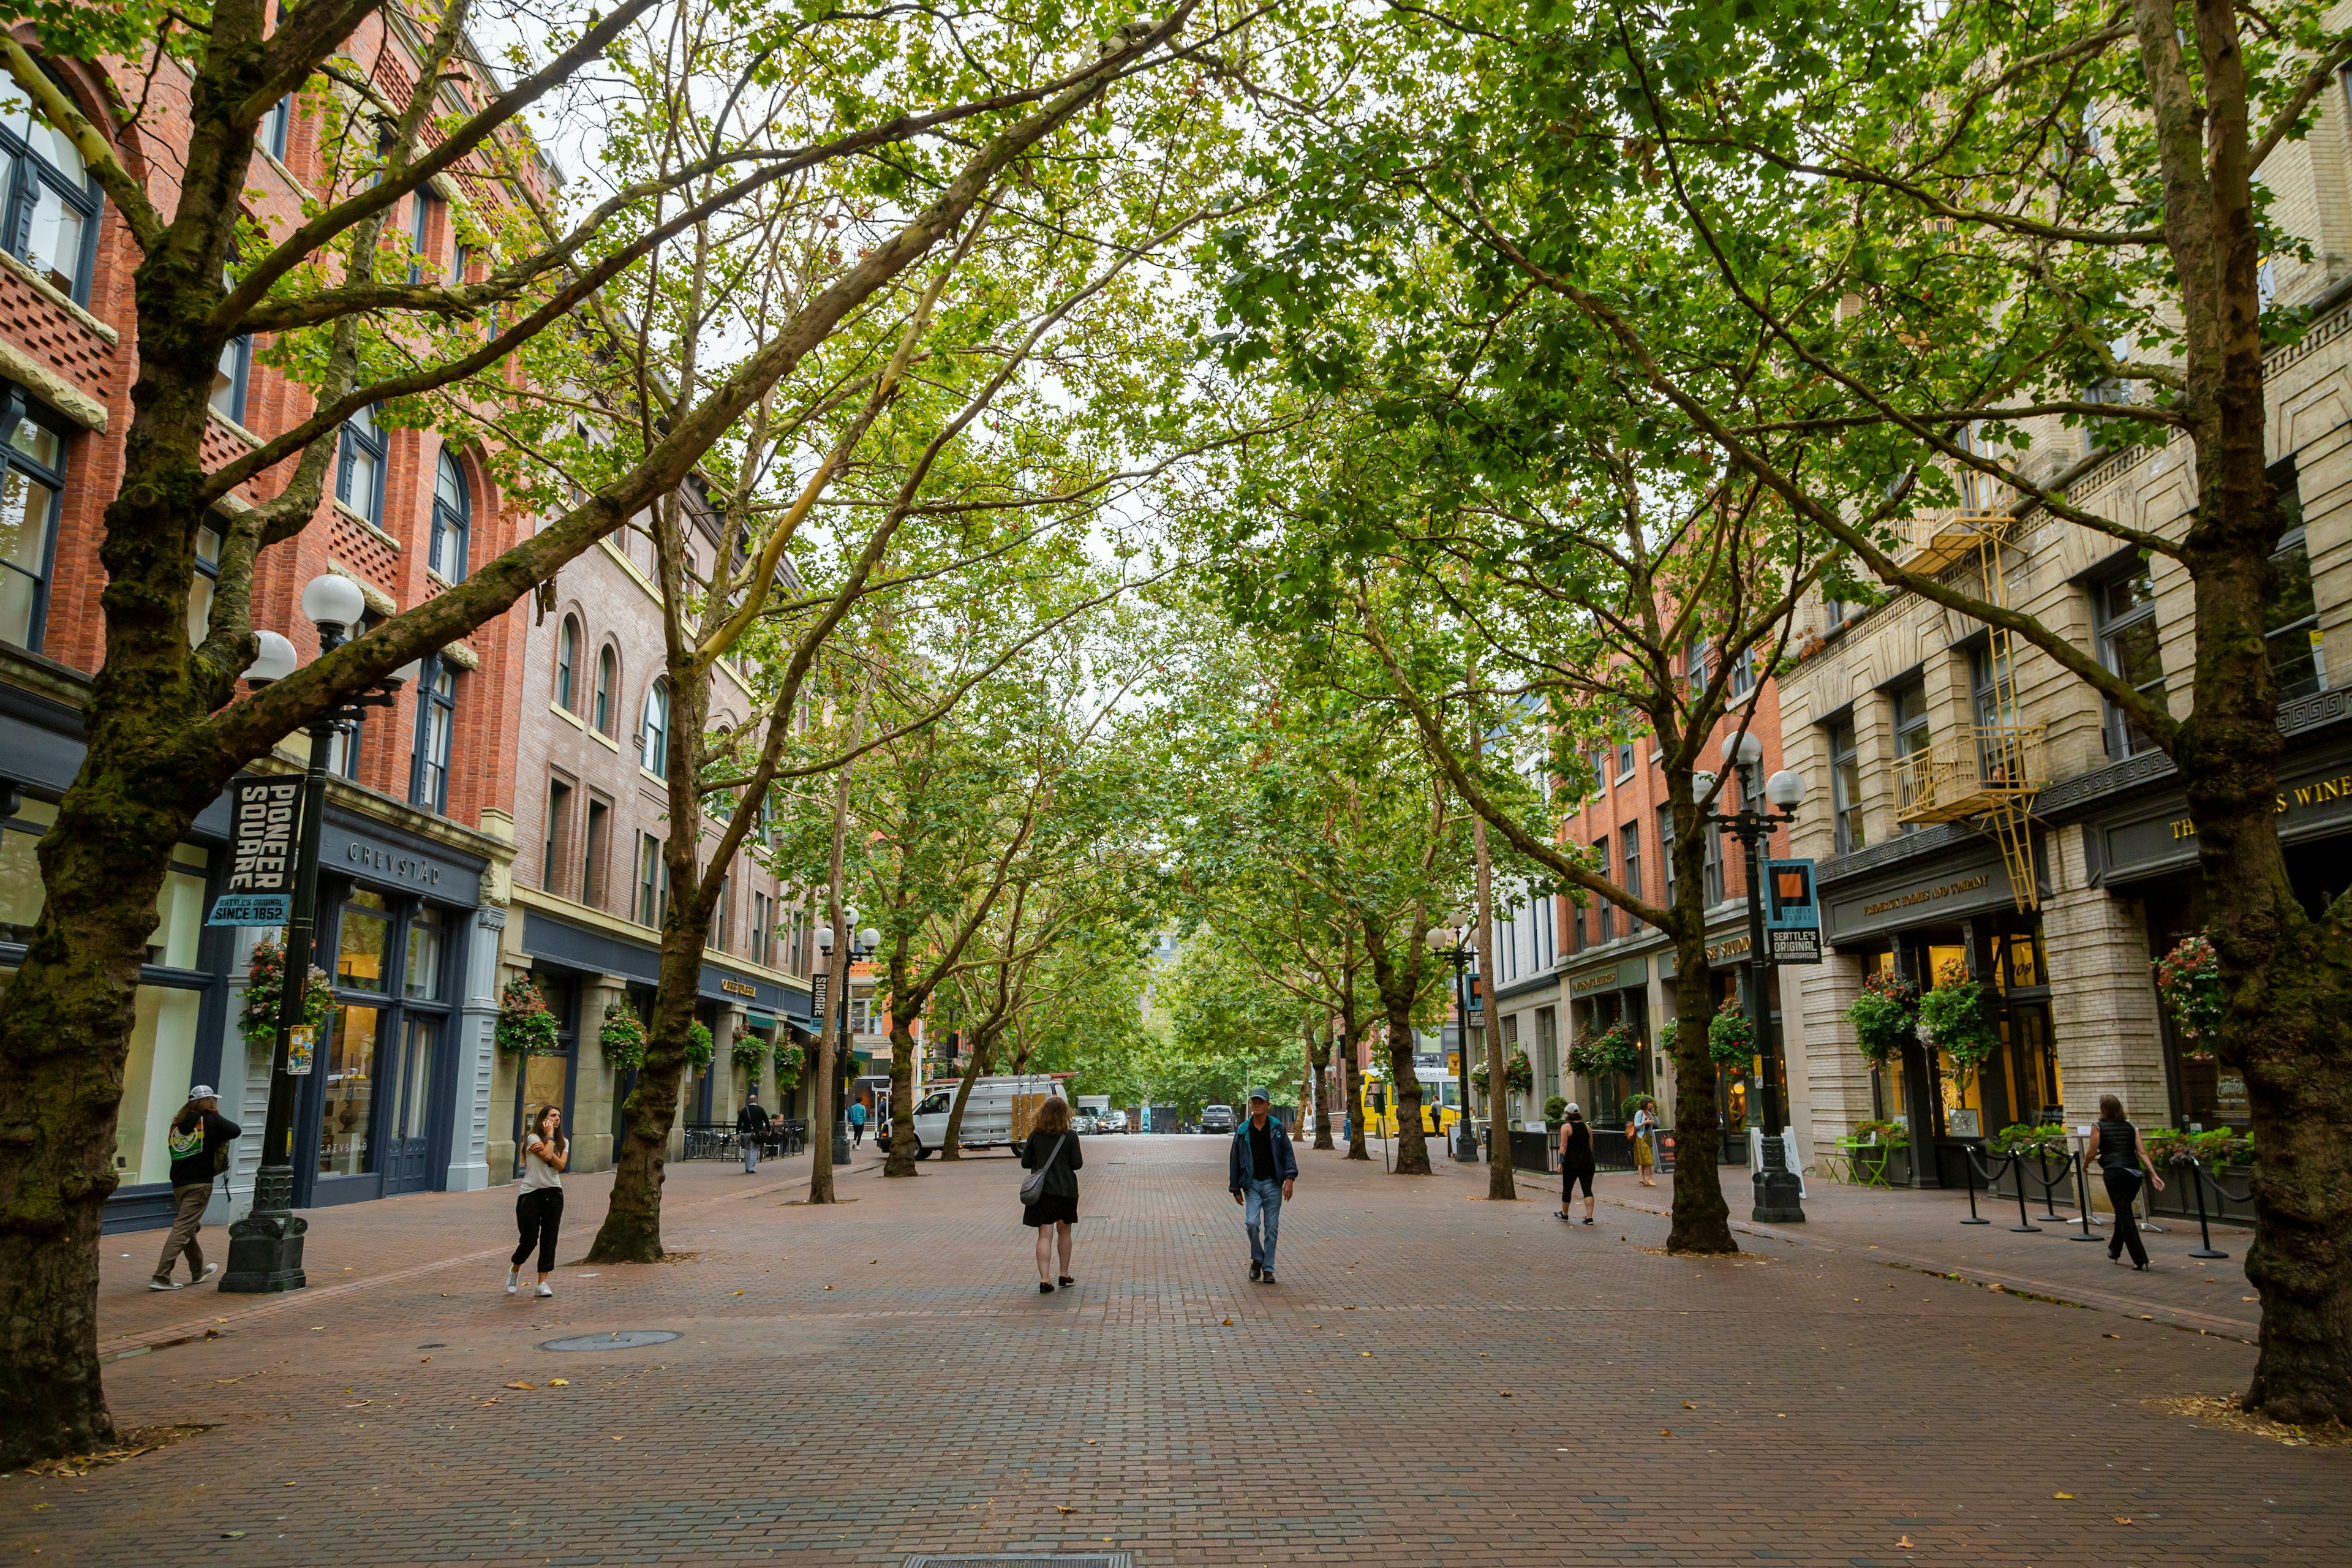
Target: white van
(987, 1115)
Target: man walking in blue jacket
(1260, 1170)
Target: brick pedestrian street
(1436, 1380)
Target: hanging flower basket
(1518, 1075)
(1952, 1021)
(2189, 980)
(1613, 1050)
(623, 1038)
(791, 1061)
(746, 1048)
(265, 973)
(1730, 1038)
(699, 1047)
(525, 1028)
(1885, 1016)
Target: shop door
(407, 1145)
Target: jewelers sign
(261, 857)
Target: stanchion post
(2082, 1196)
(2017, 1164)
(2204, 1229)
(1968, 1162)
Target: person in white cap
(199, 1142)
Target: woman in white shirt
(539, 1207)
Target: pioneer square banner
(261, 853)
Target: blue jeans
(1262, 1209)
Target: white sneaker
(514, 1281)
(167, 1284)
(544, 1291)
(211, 1270)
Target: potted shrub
(2189, 983)
(622, 1038)
(1952, 1021)
(1615, 1050)
(1730, 1038)
(525, 1027)
(1883, 1015)
(1895, 1137)
(1554, 1113)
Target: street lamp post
(862, 945)
(265, 1249)
(1779, 1197)
(1456, 950)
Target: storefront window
(180, 910)
(426, 934)
(350, 1069)
(367, 930)
(32, 481)
(155, 1080)
(20, 870)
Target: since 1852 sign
(261, 854)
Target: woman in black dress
(1054, 1149)
(1575, 1162)
(2123, 1161)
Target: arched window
(453, 518)
(608, 677)
(653, 754)
(50, 213)
(567, 664)
(358, 475)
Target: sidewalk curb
(2020, 1285)
(125, 1346)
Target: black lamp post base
(1465, 1144)
(840, 1146)
(1780, 1198)
(265, 1247)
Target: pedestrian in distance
(750, 1126)
(2123, 1163)
(856, 1122)
(1050, 1149)
(1260, 1170)
(199, 1142)
(1576, 1161)
(539, 1207)
(1643, 1133)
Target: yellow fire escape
(1988, 773)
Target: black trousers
(2123, 1194)
(539, 1213)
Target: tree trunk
(1413, 1145)
(901, 1159)
(1702, 1220)
(1351, 1090)
(632, 1229)
(1499, 1182)
(984, 1044)
(1319, 1066)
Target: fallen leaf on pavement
(738, 1292)
(2122, 1518)
(1689, 1405)
(1667, 1432)
(559, 1383)
(517, 1385)
(1063, 1507)
(2063, 1497)
(1904, 1541)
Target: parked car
(1116, 1121)
(1218, 1118)
(1087, 1123)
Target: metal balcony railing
(1977, 769)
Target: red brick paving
(888, 1381)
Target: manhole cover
(1024, 1559)
(618, 1340)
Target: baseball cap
(202, 1092)
(1258, 1094)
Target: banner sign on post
(1792, 913)
(816, 1000)
(250, 909)
(261, 854)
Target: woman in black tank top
(2123, 1160)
